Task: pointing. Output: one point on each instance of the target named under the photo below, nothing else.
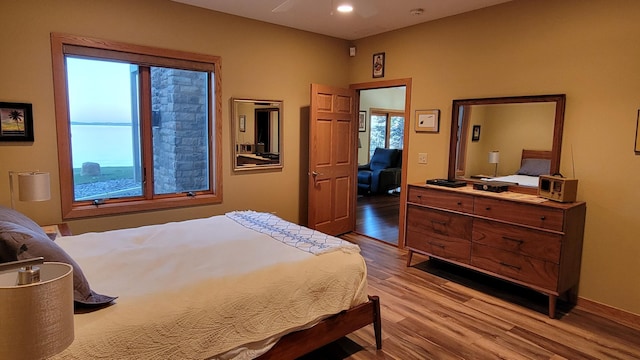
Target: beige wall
(584, 49)
(259, 61)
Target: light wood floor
(436, 311)
(377, 216)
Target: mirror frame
(559, 99)
(235, 129)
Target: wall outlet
(422, 158)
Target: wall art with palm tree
(16, 122)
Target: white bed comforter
(204, 288)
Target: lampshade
(494, 157)
(34, 186)
(36, 319)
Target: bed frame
(296, 344)
(535, 154)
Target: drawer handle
(438, 245)
(513, 239)
(509, 265)
(488, 208)
(542, 217)
(459, 203)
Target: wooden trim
(406, 82)
(296, 344)
(624, 317)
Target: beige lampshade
(36, 320)
(34, 186)
(494, 157)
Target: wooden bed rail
(296, 344)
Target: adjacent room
(207, 179)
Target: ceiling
(369, 17)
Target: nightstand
(56, 230)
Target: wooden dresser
(516, 237)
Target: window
(136, 127)
(387, 130)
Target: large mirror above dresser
(511, 235)
(257, 134)
(508, 139)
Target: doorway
(380, 215)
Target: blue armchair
(382, 173)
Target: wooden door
(332, 160)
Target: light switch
(422, 158)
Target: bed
(242, 285)
(533, 163)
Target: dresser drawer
(449, 248)
(520, 213)
(439, 233)
(441, 199)
(440, 223)
(534, 243)
(531, 271)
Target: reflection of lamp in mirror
(37, 309)
(32, 186)
(494, 158)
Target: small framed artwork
(475, 135)
(242, 125)
(428, 120)
(16, 122)
(378, 65)
(362, 121)
(637, 147)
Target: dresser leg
(409, 256)
(552, 306)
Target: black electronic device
(493, 186)
(447, 183)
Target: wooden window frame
(64, 44)
(388, 114)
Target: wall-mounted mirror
(257, 134)
(511, 139)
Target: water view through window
(104, 126)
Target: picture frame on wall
(428, 121)
(378, 65)
(362, 121)
(242, 124)
(475, 135)
(637, 146)
(16, 121)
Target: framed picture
(428, 120)
(16, 122)
(637, 147)
(475, 135)
(362, 121)
(243, 123)
(378, 65)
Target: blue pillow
(535, 167)
(20, 242)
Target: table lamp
(494, 158)
(32, 186)
(37, 309)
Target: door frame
(406, 82)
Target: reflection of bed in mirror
(533, 163)
(257, 159)
(509, 125)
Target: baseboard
(624, 317)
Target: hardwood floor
(432, 310)
(377, 217)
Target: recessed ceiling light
(345, 8)
(418, 11)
